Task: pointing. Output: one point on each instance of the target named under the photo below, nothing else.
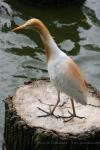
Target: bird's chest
(56, 72)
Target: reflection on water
(12, 40)
(22, 57)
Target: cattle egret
(63, 71)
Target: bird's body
(64, 78)
(65, 74)
(63, 71)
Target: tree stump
(24, 130)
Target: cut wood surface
(29, 97)
(41, 93)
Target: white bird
(63, 71)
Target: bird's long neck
(50, 46)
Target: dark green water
(76, 31)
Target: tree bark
(24, 130)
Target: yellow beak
(19, 27)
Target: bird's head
(35, 24)
(30, 23)
(41, 29)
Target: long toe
(80, 117)
(47, 114)
(94, 105)
(68, 118)
(72, 116)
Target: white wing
(68, 79)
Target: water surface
(76, 31)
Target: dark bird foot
(51, 113)
(72, 116)
(47, 114)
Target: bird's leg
(72, 115)
(51, 111)
(56, 103)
